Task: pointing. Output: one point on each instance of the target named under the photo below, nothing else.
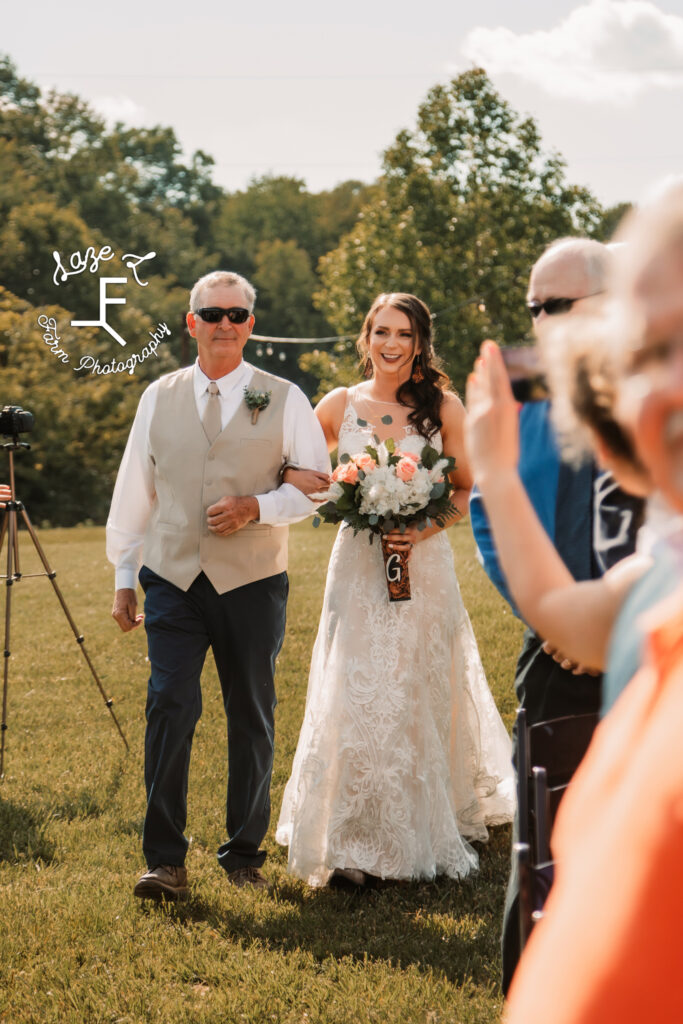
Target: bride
(402, 755)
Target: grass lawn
(74, 943)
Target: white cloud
(118, 108)
(604, 50)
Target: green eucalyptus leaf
(361, 423)
(429, 456)
(387, 420)
(345, 458)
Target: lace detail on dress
(353, 437)
(402, 754)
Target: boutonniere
(256, 400)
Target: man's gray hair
(222, 277)
(596, 258)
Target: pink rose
(405, 469)
(409, 455)
(346, 473)
(365, 462)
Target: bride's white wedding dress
(402, 754)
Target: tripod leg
(9, 527)
(13, 506)
(51, 574)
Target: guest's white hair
(595, 257)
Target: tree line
(466, 200)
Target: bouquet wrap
(396, 572)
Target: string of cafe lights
(269, 340)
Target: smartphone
(523, 365)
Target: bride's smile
(392, 346)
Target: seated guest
(568, 279)
(576, 617)
(609, 946)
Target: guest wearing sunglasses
(591, 521)
(609, 945)
(199, 509)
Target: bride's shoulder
(334, 401)
(330, 410)
(452, 405)
(452, 416)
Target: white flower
(419, 488)
(436, 472)
(384, 494)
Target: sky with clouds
(319, 90)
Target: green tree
(81, 420)
(611, 219)
(274, 232)
(270, 208)
(285, 283)
(467, 202)
(336, 212)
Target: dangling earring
(417, 375)
(367, 372)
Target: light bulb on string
(269, 350)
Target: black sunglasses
(214, 314)
(554, 306)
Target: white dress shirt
(303, 444)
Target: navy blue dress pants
(245, 629)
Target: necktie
(211, 420)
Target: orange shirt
(610, 947)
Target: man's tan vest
(190, 474)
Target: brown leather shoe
(164, 882)
(248, 876)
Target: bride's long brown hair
(422, 396)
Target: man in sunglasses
(590, 520)
(199, 509)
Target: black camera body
(15, 420)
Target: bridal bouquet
(383, 489)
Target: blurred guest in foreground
(567, 282)
(609, 946)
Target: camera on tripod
(15, 420)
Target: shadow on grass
(24, 827)
(91, 801)
(446, 926)
(22, 834)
